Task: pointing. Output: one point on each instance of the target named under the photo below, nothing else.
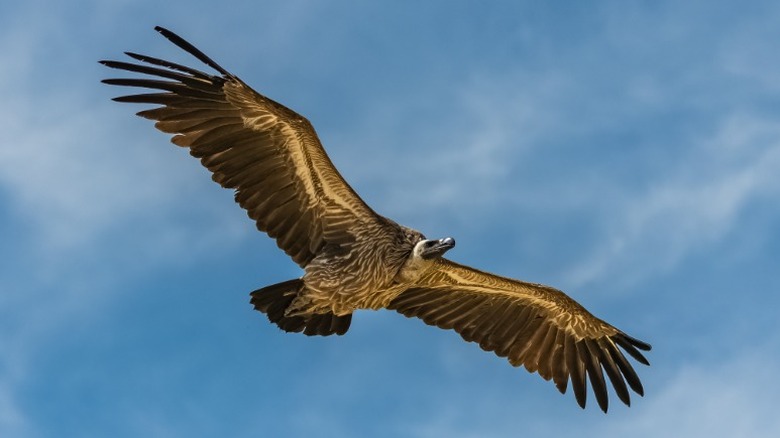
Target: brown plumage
(354, 258)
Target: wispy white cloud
(428, 162)
(74, 179)
(79, 182)
(737, 397)
(71, 169)
(12, 421)
(734, 397)
(654, 229)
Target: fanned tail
(275, 299)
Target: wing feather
(525, 352)
(558, 368)
(268, 153)
(618, 383)
(532, 325)
(545, 353)
(576, 371)
(589, 351)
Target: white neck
(415, 266)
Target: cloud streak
(12, 421)
(736, 397)
(700, 203)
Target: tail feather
(327, 323)
(275, 299)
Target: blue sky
(625, 152)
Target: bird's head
(422, 257)
(428, 249)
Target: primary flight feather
(354, 258)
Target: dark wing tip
(590, 350)
(613, 372)
(166, 33)
(576, 371)
(630, 345)
(588, 360)
(644, 346)
(192, 50)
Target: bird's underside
(354, 258)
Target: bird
(354, 258)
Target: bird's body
(374, 263)
(354, 258)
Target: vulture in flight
(354, 258)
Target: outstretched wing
(268, 153)
(529, 324)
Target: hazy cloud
(734, 398)
(696, 205)
(12, 421)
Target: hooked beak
(436, 248)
